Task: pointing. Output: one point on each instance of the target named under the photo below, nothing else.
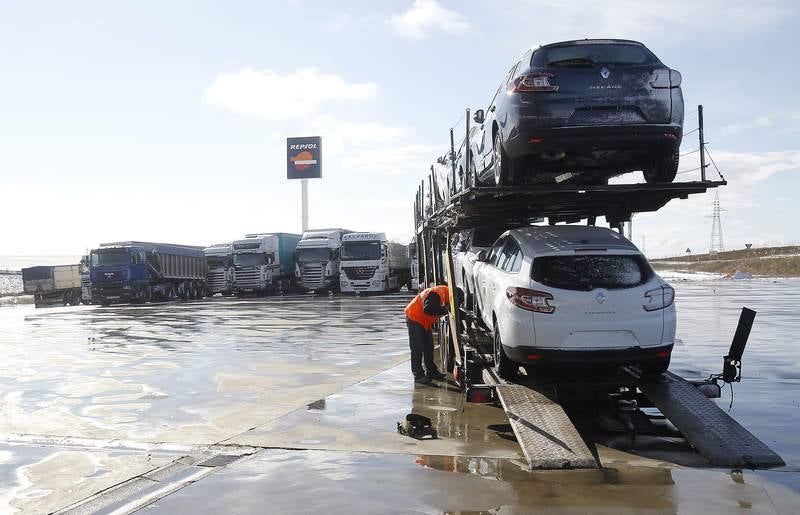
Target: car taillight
(659, 298)
(532, 82)
(666, 78)
(530, 300)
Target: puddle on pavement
(336, 482)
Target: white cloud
(341, 135)
(748, 168)
(268, 94)
(372, 147)
(425, 16)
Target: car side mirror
(481, 256)
(480, 116)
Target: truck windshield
(217, 261)
(115, 258)
(312, 255)
(591, 271)
(358, 250)
(249, 259)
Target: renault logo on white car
(605, 72)
(600, 298)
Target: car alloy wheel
(505, 368)
(500, 162)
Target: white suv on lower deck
(573, 295)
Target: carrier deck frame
(547, 436)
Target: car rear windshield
(590, 54)
(587, 272)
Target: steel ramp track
(715, 434)
(544, 431)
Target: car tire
(504, 367)
(501, 164)
(663, 169)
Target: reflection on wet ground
(363, 417)
(36, 479)
(329, 376)
(330, 482)
(195, 372)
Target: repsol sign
(304, 158)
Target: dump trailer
(219, 276)
(60, 284)
(317, 258)
(370, 263)
(264, 263)
(134, 271)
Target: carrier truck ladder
(545, 433)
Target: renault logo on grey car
(600, 298)
(605, 72)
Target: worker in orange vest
(421, 313)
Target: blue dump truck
(135, 271)
(264, 263)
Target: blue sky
(167, 120)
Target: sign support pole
(304, 188)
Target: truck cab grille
(359, 273)
(248, 278)
(312, 275)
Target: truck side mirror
(479, 116)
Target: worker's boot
(422, 380)
(437, 376)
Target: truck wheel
(505, 368)
(148, 293)
(663, 169)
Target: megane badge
(600, 298)
(605, 72)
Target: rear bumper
(648, 357)
(529, 138)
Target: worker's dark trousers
(421, 343)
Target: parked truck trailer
(317, 257)
(219, 275)
(134, 271)
(370, 263)
(264, 263)
(49, 285)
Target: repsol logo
(304, 146)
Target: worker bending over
(421, 313)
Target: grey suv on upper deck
(583, 110)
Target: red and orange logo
(303, 161)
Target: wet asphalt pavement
(303, 395)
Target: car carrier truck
(317, 257)
(135, 271)
(370, 263)
(219, 275)
(50, 285)
(264, 263)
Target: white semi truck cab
(219, 277)
(317, 259)
(264, 263)
(372, 263)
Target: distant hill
(767, 261)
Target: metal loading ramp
(716, 435)
(544, 431)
